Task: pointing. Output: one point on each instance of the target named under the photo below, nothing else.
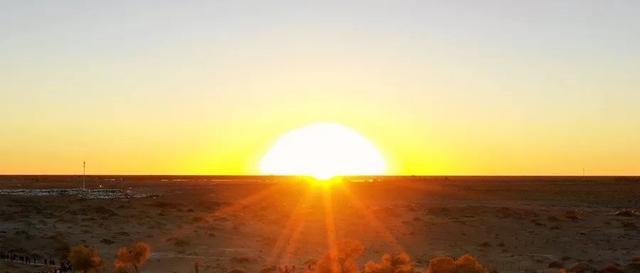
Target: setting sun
(323, 150)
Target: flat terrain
(511, 224)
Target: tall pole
(84, 173)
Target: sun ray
(293, 242)
(330, 225)
(293, 223)
(251, 199)
(372, 219)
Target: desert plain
(256, 224)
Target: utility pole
(84, 174)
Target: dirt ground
(511, 224)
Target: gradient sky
(205, 87)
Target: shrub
(464, 264)
(341, 260)
(442, 265)
(120, 270)
(85, 259)
(107, 241)
(287, 269)
(399, 263)
(132, 256)
(469, 264)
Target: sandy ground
(509, 224)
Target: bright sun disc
(323, 150)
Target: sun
(323, 150)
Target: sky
(206, 87)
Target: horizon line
(383, 175)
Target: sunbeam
(330, 226)
(372, 219)
(292, 228)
